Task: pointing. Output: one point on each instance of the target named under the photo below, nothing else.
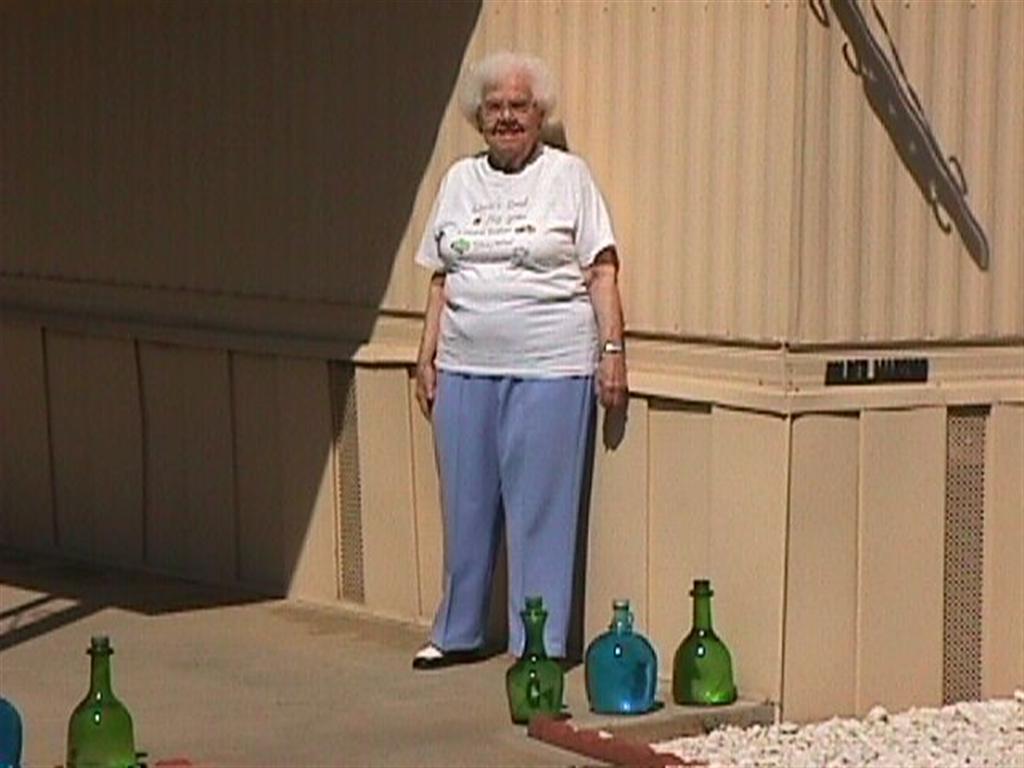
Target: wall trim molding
(776, 377)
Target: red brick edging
(603, 746)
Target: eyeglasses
(493, 109)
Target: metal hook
(961, 179)
(818, 9)
(850, 62)
(945, 226)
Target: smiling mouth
(508, 129)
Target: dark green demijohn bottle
(100, 729)
(534, 683)
(702, 668)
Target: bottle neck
(622, 621)
(99, 676)
(534, 622)
(702, 612)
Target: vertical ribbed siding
(1007, 222)
(874, 265)
(687, 120)
(690, 116)
(292, 150)
(685, 113)
(255, 149)
(945, 253)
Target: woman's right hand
(426, 372)
(426, 386)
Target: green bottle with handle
(100, 730)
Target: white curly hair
(491, 69)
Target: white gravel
(982, 733)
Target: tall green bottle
(534, 683)
(100, 729)
(702, 668)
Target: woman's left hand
(602, 284)
(612, 386)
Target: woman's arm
(602, 283)
(426, 374)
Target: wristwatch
(613, 348)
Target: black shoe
(432, 657)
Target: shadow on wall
(238, 149)
(236, 166)
(896, 105)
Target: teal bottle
(702, 668)
(621, 667)
(10, 735)
(100, 729)
(534, 683)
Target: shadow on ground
(70, 591)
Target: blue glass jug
(10, 735)
(621, 667)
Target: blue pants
(515, 449)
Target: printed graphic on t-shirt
(497, 232)
(505, 231)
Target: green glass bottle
(100, 729)
(702, 668)
(534, 683)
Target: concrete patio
(229, 678)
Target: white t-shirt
(513, 247)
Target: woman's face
(510, 120)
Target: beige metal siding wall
(26, 491)
(865, 561)
(899, 610)
(191, 526)
(217, 465)
(663, 515)
(389, 523)
(755, 194)
(193, 462)
(751, 108)
(268, 152)
(822, 568)
(231, 150)
(686, 113)
(805, 524)
(285, 500)
(96, 443)
(874, 266)
(1003, 585)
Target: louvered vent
(349, 514)
(964, 548)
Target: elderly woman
(523, 324)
